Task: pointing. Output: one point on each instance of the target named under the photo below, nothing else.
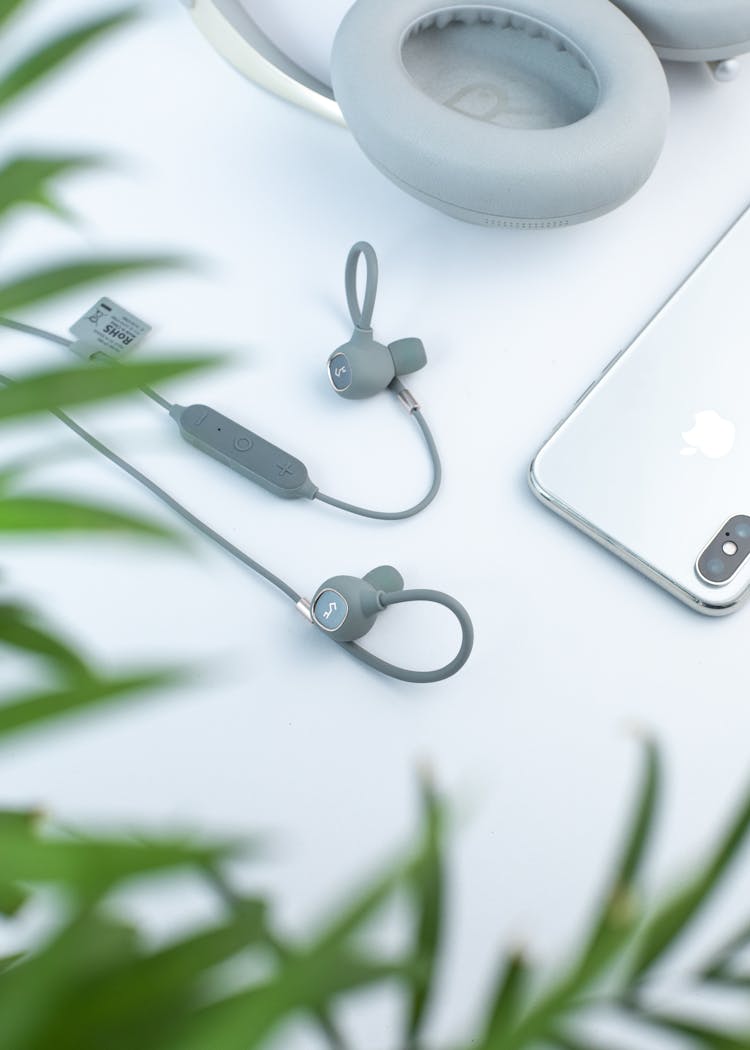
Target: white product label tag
(108, 328)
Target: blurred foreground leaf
(677, 914)
(34, 514)
(8, 8)
(515, 1022)
(40, 285)
(428, 887)
(55, 53)
(90, 868)
(26, 712)
(18, 630)
(80, 385)
(30, 181)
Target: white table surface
(282, 732)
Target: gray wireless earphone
(359, 369)
(362, 367)
(518, 113)
(344, 608)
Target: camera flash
(730, 548)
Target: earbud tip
(409, 355)
(385, 578)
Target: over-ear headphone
(516, 113)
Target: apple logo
(712, 435)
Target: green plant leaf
(29, 181)
(66, 388)
(8, 8)
(508, 1001)
(18, 630)
(305, 985)
(322, 1015)
(36, 514)
(673, 917)
(36, 286)
(613, 932)
(35, 993)
(127, 1001)
(280, 949)
(620, 898)
(567, 1041)
(15, 822)
(20, 820)
(718, 967)
(6, 961)
(88, 868)
(308, 979)
(428, 890)
(28, 712)
(703, 1035)
(12, 899)
(55, 53)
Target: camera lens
(715, 567)
(743, 530)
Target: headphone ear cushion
(543, 115)
(701, 31)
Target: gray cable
(402, 674)
(40, 333)
(437, 479)
(169, 501)
(147, 390)
(357, 652)
(28, 329)
(365, 315)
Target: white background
(533, 741)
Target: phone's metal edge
(639, 335)
(602, 538)
(625, 555)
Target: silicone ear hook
(403, 674)
(363, 367)
(346, 608)
(362, 314)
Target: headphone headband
(236, 36)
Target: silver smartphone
(654, 460)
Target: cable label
(110, 328)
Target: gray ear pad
(693, 30)
(522, 113)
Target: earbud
(359, 369)
(363, 367)
(346, 607)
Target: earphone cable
(59, 340)
(396, 386)
(169, 501)
(40, 333)
(437, 480)
(365, 657)
(361, 655)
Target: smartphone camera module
(727, 552)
